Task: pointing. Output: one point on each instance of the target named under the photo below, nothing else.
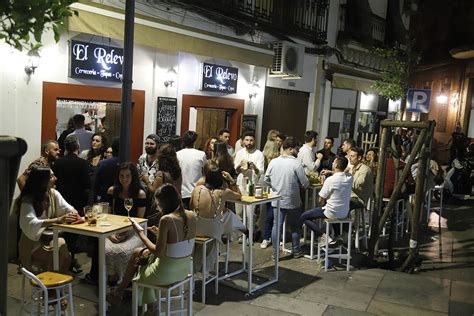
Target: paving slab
(340, 289)
(289, 304)
(232, 308)
(415, 290)
(391, 309)
(339, 311)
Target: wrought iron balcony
(306, 19)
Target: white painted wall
(21, 98)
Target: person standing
(306, 153)
(224, 135)
(334, 197)
(147, 168)
(96, 153)
(249, 162)
(106, 174)
(286, 176)
(80, 131)
(74, 184)
(328, 155)
(49, 154)
(191, 162)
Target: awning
(111, 24)
(343, 77)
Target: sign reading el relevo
(418, 100)
(95, 61)
(219, 78)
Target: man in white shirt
(335, 195)
(249, 162)
(306, 155)
(148, 167)
(286, 176)
(191, 162)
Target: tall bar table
(249, 203)
(116, 224)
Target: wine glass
(128, 204)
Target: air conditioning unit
(288, 60)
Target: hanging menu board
(166, 118)
(249, 122)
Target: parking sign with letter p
(418, 100)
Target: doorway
(286, 111)
(232, 109)
(112, 97)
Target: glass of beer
(91, 217)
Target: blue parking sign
(418, 100)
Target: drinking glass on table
(128, 204)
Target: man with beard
(224, 135)
(49, 154)
(148, 167)
(249, 162)
(286, 176)
(328, 155)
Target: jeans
(267, 230)
(316, 213)
(293, 221)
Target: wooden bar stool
(168, 298)
(61, 284)
(325, 246)
(205, 276)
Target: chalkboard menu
(94, 61)
(219, 78)
(249, 122)
(166, 118)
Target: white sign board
(418, 100)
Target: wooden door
(285, 111)
(208, 124)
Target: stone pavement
(443, 286)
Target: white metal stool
(168, 298)
(61, 284)
(360, 219)
(325, 246)
(226, 254)
(206, 277)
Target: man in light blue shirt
(286, 177)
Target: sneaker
(75, 267)
(297, 254)
(336, 242)
(322, 239)
(265, 243)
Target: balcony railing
(301, 18)
(377, 26)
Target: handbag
(143, 257)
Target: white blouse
(31, 225)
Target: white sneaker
(323, 238)
(265, 243)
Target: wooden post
(374, 233)
(419, 198)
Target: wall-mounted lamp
(442, 99)
(171, 75)
(33, 62)
(254, 90)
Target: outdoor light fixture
(442, 99)
(170, 77)
(33, 62)
(254, 90)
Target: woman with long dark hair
(209, 147)
(40, 206)
(169, 170)
(208, 202)
(224, 159)
(168, 260)
(96, 153)
(119, 247)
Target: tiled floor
(444, 285)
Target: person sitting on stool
(334, 196)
